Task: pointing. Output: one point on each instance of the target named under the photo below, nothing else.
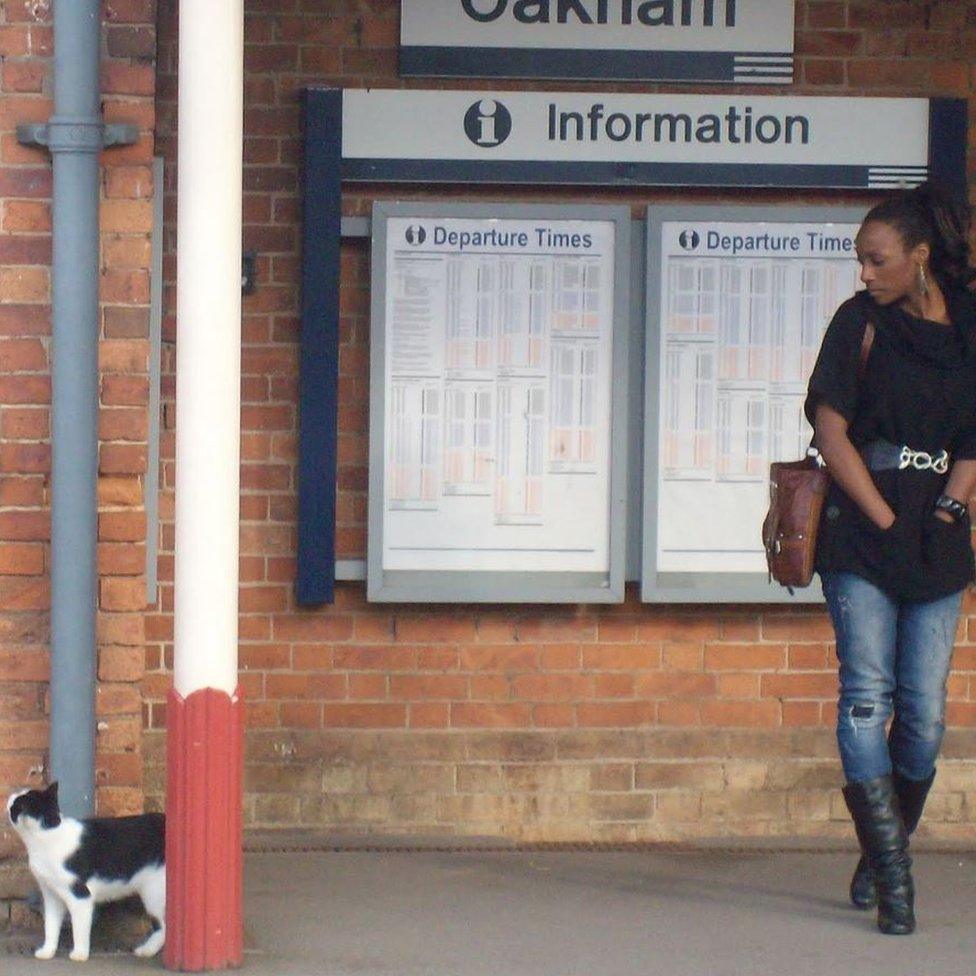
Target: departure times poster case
(496, 364)
(738, 302)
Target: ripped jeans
(894, 663)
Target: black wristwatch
(956, 509)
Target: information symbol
(689, 239)
(487, 123)
(415, 234)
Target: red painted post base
(204, 832)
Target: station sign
(646, 40)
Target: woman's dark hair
(928, 214)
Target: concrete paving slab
(697, 913)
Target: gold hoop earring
(923, 282)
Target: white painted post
(204, 726)
(208, 344)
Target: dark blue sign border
(324, 172)
(319, 356)
(600, 65)
(617, 174)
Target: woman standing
(898, 435)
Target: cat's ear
(51, 816)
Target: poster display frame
(705, 587)
(350, 139)
(499, 586)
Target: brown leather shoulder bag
(796, 495)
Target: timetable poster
(744, 307)
(498, 356)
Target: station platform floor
(402, 909)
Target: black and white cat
(79, 863)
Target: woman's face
(889, 270)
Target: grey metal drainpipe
(75, 136)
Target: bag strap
(770, 527)
(866, 342)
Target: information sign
(651, 138)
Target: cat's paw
(45, 953)
(78, 955)
(151, 946)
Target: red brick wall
(618, 722)
(128, 86)
(555, 722)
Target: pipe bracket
(76, 135)
(120, 134)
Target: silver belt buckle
(923, 461)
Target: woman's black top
(918, 389)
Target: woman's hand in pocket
(891, 550)
(945, 540)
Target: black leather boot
(864, 894)
(877, 819)
(912, 794)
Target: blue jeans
(894, 663)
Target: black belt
(882, 455)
